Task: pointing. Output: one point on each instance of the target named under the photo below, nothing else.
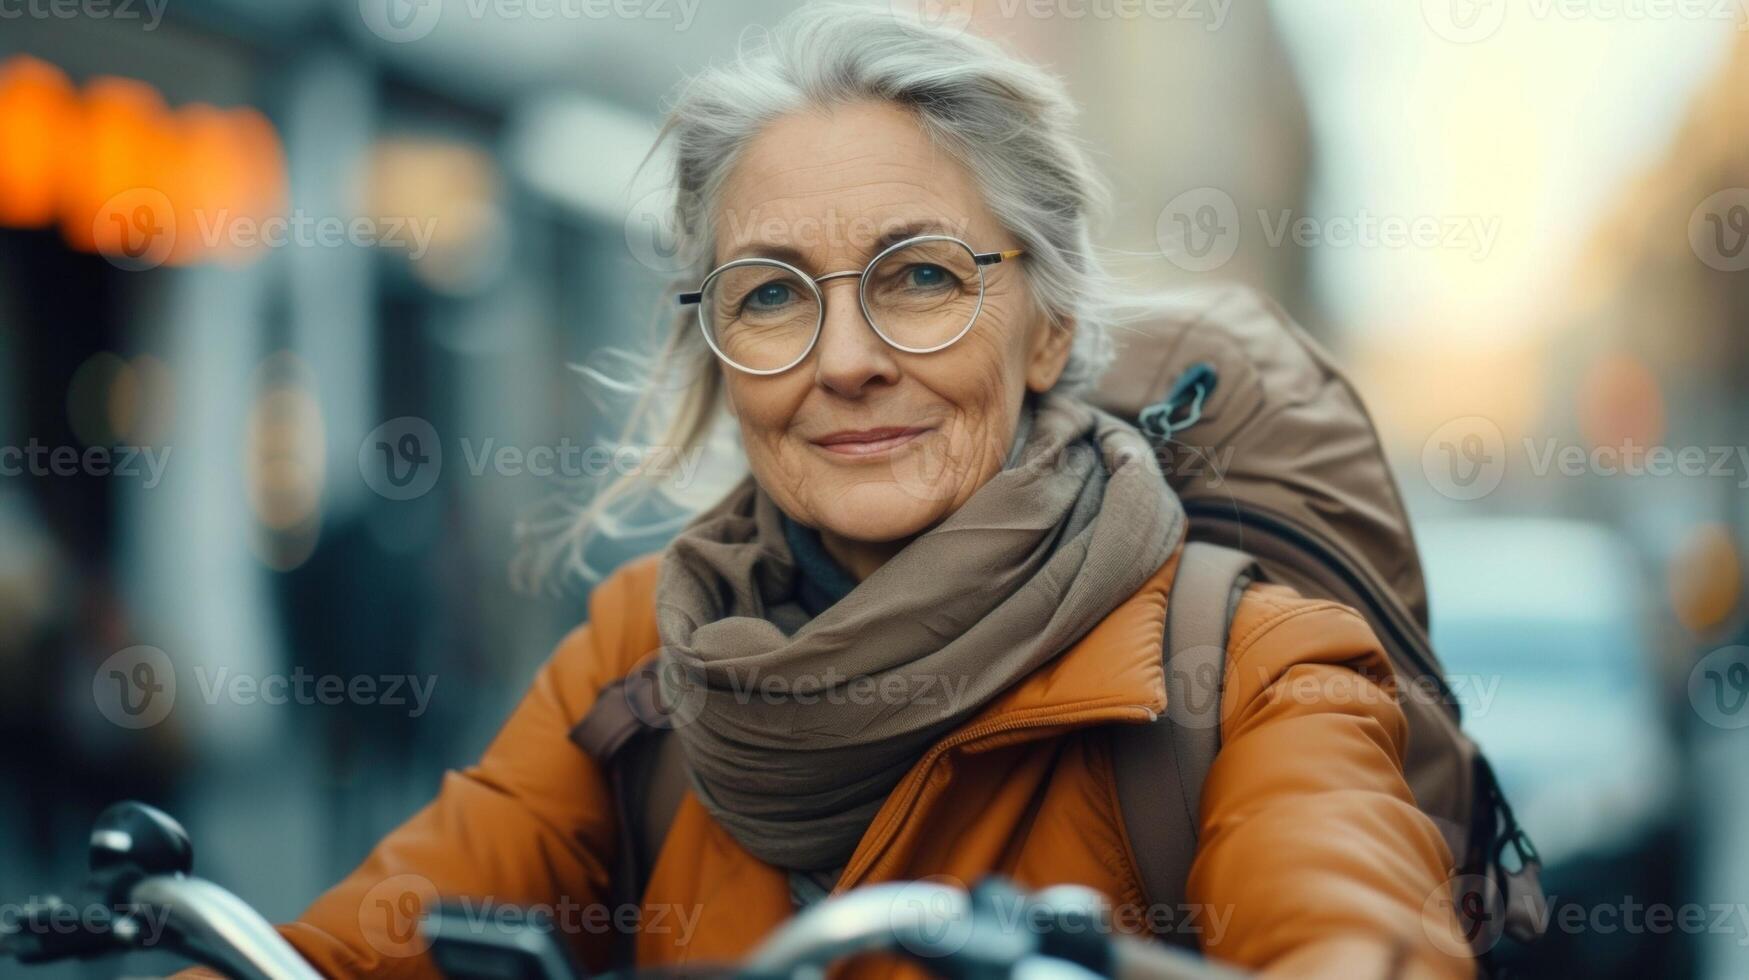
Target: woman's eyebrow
(911, 229)
(890, 235)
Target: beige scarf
(795, 730)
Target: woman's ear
(1050, 352)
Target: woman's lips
(869, 442)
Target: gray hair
(1010, 123)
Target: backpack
(1282, 475)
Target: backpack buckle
(1186, 395)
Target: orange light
(1705, 579)
(116, 201)
(1620, 403)
(209, 178)
(125, 176)
(37, 109)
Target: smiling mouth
(870, 442)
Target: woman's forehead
(843, 183)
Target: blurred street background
(292, 293)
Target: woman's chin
(879, 513)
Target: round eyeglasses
(920, 295)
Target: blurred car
(1542, 627)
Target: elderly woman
(941, 585)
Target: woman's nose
(850, 355)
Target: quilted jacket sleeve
(1312, 847)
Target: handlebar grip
(226, 932)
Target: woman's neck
(860, 558)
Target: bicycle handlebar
(994, 931)
(141, 859)
(222, 928)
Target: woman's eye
(769, 295)
(926, 276)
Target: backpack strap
(1160, 767)
(624, 733)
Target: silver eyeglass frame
(979, 260)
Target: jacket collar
(1115, 670)
(1118, 664)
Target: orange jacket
(1314, 859)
